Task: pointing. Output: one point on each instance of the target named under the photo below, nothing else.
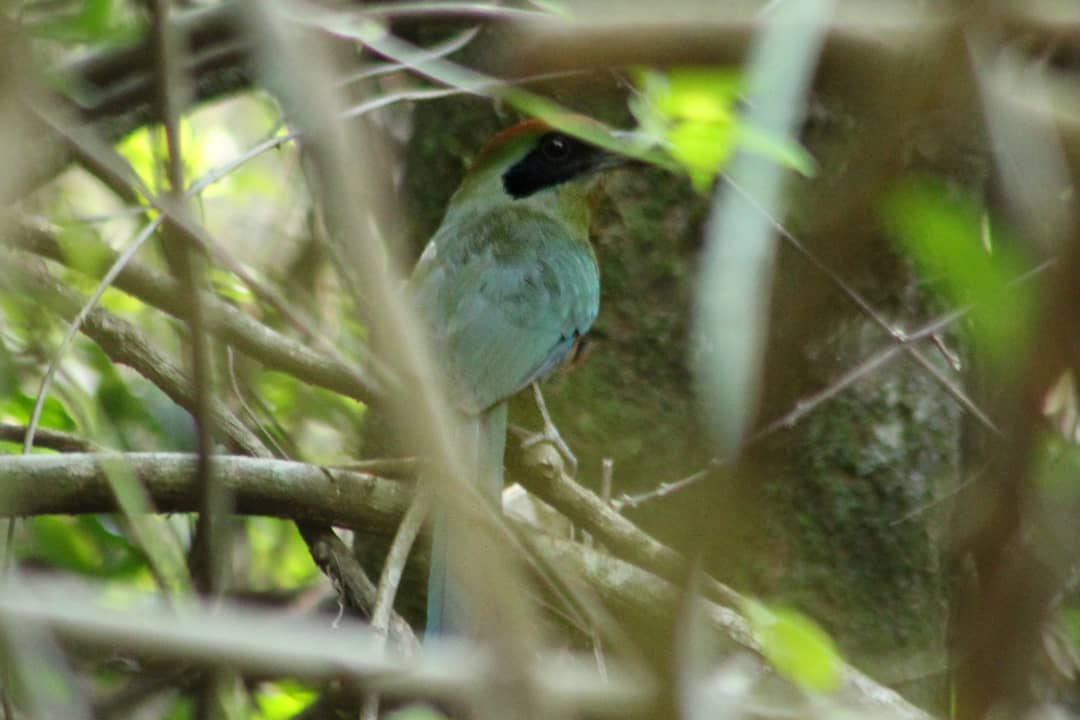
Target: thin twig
(397, 556)
(607, 474)
(860, 302)
(470, 10)
(125, 344)
(209, 568)
(665, 488)
(354, 587)
(268, 436)
(441, 50)
(76, 325)
(235, 327)
(383, 466)
(115, 167)
(809, 403)
(49, 438)
(434, 93)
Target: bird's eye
(555, 148)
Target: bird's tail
(481, 440)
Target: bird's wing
(504, 295)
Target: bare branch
(262, 343)
(76, 483)
(48, 438)
(127, 345)
(337, 562)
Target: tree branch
(264, 344)
(355, 588)
(76, 483)
(47, 438)
(126, 344)
(545, 477)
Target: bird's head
(535, 164)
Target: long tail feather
(482, 441)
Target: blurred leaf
(1072, 624)
(796, 646)
(9, 383)
(693, 112)
(182, 709)
(96, 21)
(946, 235)
(279, 556)
(789, 154)
(1058, 480)
(81, 544)
(146, 150)
(322, 422)
(18, 408)
(282, 700)
(227, 284)
(152, 532)
(83, 249)
(123, 413)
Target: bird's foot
(550, 434)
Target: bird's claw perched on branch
(550, 434)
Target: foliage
(300, 375)
(694, 114)
(797, 647)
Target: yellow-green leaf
(796, 646)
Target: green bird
(505, 288)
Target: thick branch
(260, 643)
(44, 484)
(76, 483)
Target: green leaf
(83, 544)
(280, 558)
(152, 532)
(694, 113)
(54, 414)
(283, 699)
(97, 21)
(796, 646)
(1072, 625)
(9, 383)
(780, 150)
(702, 148)
(83, 249)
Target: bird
(504, 289)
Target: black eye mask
(557, 158)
